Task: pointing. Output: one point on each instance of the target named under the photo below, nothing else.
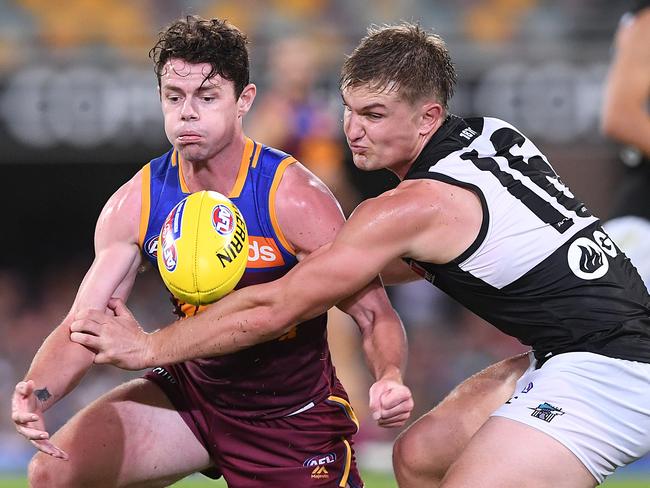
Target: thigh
(310, 449)
(132, 436)
(440, 435)
(509, 454)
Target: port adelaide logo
(588, 259)
(546, 412)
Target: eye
(207, 98)
(374, 116)
(173, 98)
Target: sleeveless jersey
(541, 269)
(633, 195)
(271, 379)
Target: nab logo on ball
(223, 220)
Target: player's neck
(218, 173)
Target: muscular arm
(60, 364)
(625, 115)
(428, 220)
(310, 218)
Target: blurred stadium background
(79, 114)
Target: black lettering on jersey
(538, 173)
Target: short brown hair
(197, 40)
(416, 62)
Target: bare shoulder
(307, 212)
(120, 217)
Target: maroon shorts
(309, 449)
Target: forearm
(58, 366)
(385, 349)
(238, 321)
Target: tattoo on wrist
(43, 395)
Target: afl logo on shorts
(588, 259)
(223, 220)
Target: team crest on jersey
(546, 412)
(588, 259)
(151, 246)
(223, 220)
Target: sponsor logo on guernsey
(588, 259)
(223, 220)
(528, 387)
(151, 246)
(263, 252)
(320, 473)
(320, 459)
(546, 412)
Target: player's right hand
(29, 419)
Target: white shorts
(596, 406)
(632, 235)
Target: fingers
(25, 388)
(118, 307)
(391, 405)
(87, 324)
(88, 340)
(48, 448)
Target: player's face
(201, 116)
(382, 130)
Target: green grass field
(372, 480)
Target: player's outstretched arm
(625, 116)
(427, 220)
(59, 364)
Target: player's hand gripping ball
(203, 248)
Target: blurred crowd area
(79, 114)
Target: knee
(421, 454)
(46, 471)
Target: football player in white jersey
(481, 214)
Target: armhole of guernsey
(145, 205)
(284, 164)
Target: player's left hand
(391, 402)
(116, 338)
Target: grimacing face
(201, 116)
(381, 128)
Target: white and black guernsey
(633, 192)
(541, 269)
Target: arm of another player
(424, 219)
(625, 115)
(310, 218)
(378, 231)
(59, 364)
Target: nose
(188, 111)
(352, 126)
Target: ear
(432, 115)
(246, 100)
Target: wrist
(392, 373)
(151, 350)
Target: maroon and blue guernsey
(269, 380)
